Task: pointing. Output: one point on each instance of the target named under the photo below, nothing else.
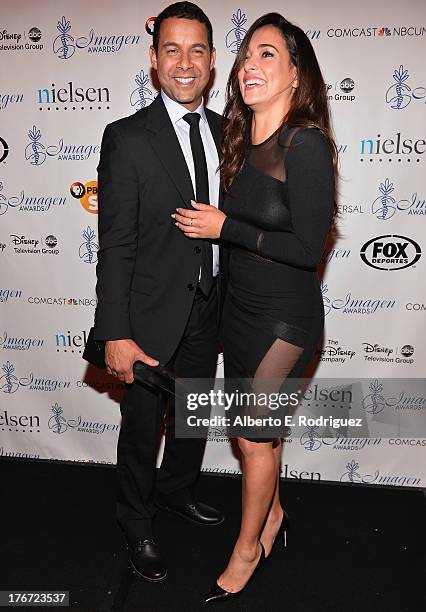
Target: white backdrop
(67, 70)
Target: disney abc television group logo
(347, 85)
(11, 41)
(24, 245)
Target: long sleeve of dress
(310, 184)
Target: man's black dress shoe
(196, 512)
(146, 560)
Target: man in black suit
(157, 293)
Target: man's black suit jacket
(147, 269)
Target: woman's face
(267, 75)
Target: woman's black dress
(279, 210)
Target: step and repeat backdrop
(68, 69)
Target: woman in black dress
(278, 169)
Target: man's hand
(120, 355)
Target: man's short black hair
(182, 10)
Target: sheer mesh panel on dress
(269, 156)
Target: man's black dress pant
(143, 411)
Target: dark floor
(351, 548)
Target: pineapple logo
(234, 38)
(398, 96)
(142, 96)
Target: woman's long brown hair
(308, 106)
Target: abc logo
(51, 241)
(390, 252)
(34, 34)
(87, 193)
(347, 85)
(407, 350)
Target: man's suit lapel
(166, 145)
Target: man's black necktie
(201, 195)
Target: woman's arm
(310, 182)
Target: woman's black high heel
(281, 533)
(216, 593)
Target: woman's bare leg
(259, 483)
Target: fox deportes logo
(65, 44)
(143, 95)
(386, 204)
(4, 149)
(390, 252)
(37, 153)
(400, 94)
(87, 193)
(11, 41)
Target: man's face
(183, 61)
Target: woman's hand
(204, 222)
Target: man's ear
(213, 59)
(153, 57)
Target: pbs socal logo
(390, 252)
(149, 25)
(87, 193)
